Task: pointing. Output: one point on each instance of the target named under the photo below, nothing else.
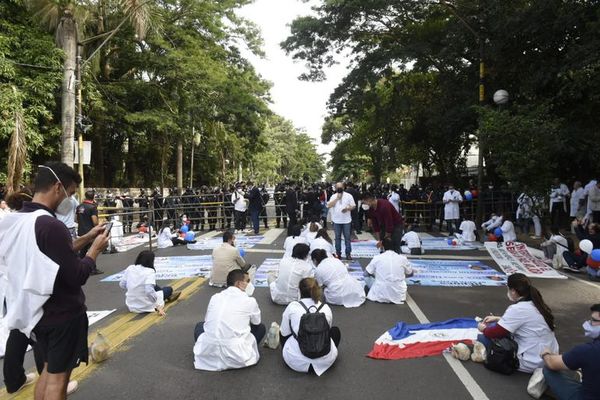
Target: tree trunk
(67, 38)
(180, 164)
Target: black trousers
(280, 215)
(14, 357)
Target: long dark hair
(318, 255)
(145, 259)
(522, 285)
(322, 233)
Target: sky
(304, 103)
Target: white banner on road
(515, 257)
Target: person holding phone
(87, 219)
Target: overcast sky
(304, 103)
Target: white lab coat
(525, 206)
(508, 231)
(140, 297)
(164, 238)
(452, 199)
(116, 232)
(576, 197)
(390, 270)
(494, 222)
(284, 290)
(531, 332)
(26, 274)
(468, 231)
(559, 196)
(310, 236)
(321, 243)
(412, 240)
(290, 242)
(394, 198)
(586, 192)
(292, 355)
(340, 287)
(227, 342)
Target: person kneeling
(318, 350)
(411, 243)
(389, 270)
(229, 337)
(143, 294)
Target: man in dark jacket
(291, 205)
(254, 205)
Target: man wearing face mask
(229, 337)
(452, 199)
(559, 368)
(341, 204)
(42, 292)
(385, 220)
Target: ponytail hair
(322, 233)
(522, 285)
(309, 288)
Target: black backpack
(502, 356)
(313, 332)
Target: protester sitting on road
(293, 353)
(292, 240)
(226, 258)
(593, 269)
(143, 294)
(508, 229)
(467, 231)
(284, 289)
(494, 222)
(386, 275)
(323, 241)
(310, 232)
(340, 287)
(560, 370)
(577, 260)
(557, 244)
(529, 321)
(232, 330)
(410, 243)
(166, 238)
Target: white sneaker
(72, 387)
(537, 384)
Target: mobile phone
(108, 226)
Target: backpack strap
(306, 309)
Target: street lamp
(501, 97)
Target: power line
(32, 65)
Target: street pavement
(155, 360)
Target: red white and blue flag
(423, 340)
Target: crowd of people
(49, 313)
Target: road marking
(271, 235)
(449, 257)
(461, 372)
(580, 280)
(118, 332)
(268, 251)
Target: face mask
(510, 297)
(591, 331)
(339, 190)
(250, 289)
(365, 207)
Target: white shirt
(137, 280)
(390, 270)
(337, 216)
(284, 290)
(525, 205)
(494, 222)
(451, 200)
(561, 242)
(238, 200)
(468, 230)
(586, 192)
(69, 219)
(116, 232)
(340, 287)
(227, 342)
(164, 238)
(531, 332)
(310, 236)
(508, 231)
(26, 274)
(292, 355)
(394, 198)
(290, 242)
(320, 243)
(4, 212)
(576, 196)
(559, 195)
(412, 240)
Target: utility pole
(80, 122)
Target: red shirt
(385, 214)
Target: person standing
(51, 306)
(239, 208)
(351, 188)
(452, 199)
(4, 210)
(87, 219)
(341, 204)
(264, 194)
(385, 220)
(594, 202)
(254, 205)
(280, 214)
(558, 202)
(291, 206)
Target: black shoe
(349, 258)
(358, 232)
(96, 271)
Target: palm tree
(67, 18)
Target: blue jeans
(564, 384)
(344, 229)
(167, 291)
(254, 215)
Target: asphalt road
(158, 363)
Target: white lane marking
(581, 280)
(271, 235)
(461, 372)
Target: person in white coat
(232, 330)
(452, 199)
(340, 287)
(494, 222)
(524, 212)
(411, 242)
(467, 230)
(323, 241)
(143, 294)
(310, 296)
(166, 237)
(310, 232)
(577, 209)
(386, 275)
(558, 202)
(508, 229)
(292, 270)
(292, 240)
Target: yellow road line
(120, 330)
